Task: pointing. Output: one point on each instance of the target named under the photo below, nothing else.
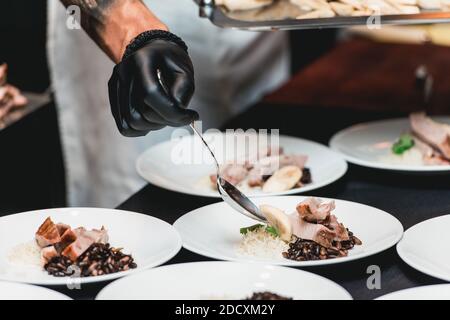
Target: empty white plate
(223, 281)
(434, 292)
(213, 231)
(369, 145)
(425, 247)
(19, 291)
(151, 241)
(184, 164)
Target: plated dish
(433, 292)
(319, 166)
(237, 281)
(217, 231)
(310, 233)
(424, 247)
(427, 143)
(270, 172)
(63, 251)
(54, 246)
(416, 144)
(20, 291)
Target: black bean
(97, 260)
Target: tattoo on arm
(94, 12)
(112, 24)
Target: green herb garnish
(251, 228)
(272, 231)
(268, 229)
(404, 143)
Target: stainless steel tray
(281, 16)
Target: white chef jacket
(233, 70)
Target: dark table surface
(410, 198)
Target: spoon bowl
(229, 193)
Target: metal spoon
(229, 193)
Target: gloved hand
(152, 86)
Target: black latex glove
(143, 102)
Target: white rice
(411, 157)
(261, 244)
(26, 254)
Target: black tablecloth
(411, 198)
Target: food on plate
(327, 9)
(279, 221)
(431, 133)
(65, 251)
(312, 232)
(404, 143)
(271, 172)
(313, 9)
(267, 295)
(261, 241)
(283, 179)
(428, 142)
(10, 97)
(234, 5)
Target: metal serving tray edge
(218, 16)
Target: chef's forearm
(112, 24)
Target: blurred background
(373, 71)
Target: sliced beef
(341, 232)
(84, 239)
(233, 173)
(435, 134)
(298, 160)
(47, 234)
(266, 167)
(77, 248)
(99, 236)
(67, 238)
(263, 168)
(312, 231)
(62, 228)
(430, 155)
(314, 210)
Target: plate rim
(379, 165)
(405, 257)
(343, 168)
(387, 295)
(103, 278)
(62, 296)
(236, 263)
(290, 263)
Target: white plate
(157, 166)
(213, 231)
(150, 240)
(425, 247)
(222, 280)
(367, 144)
(19, 291)
(434, 292)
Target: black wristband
(147, 36)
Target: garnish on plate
(269, 229)
(404, 143)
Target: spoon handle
(206, 145)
